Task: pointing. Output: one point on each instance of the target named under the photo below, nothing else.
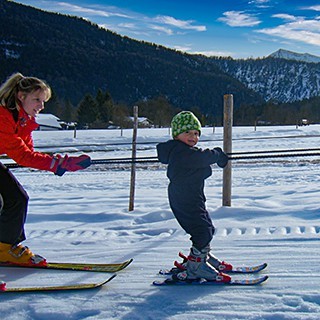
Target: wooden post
(134, 156)
(227, 148)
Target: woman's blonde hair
(18, 83)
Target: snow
(83, 216)
(48, 121)
(289, 55)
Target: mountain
(289, 55)
(275, 79)
(77, 57)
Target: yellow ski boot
(19, 255)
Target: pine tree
(105, 106)
(87, 111)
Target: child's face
(190, 137)
(32, 102)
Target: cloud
(162, 29)
(239, 19)
(158, 23)
(315, 8)
(298, 29)
(285, 16)
(213, 53)
(88, 11)
(181, 24)
(259, 3)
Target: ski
(249, 269)
(233, 282)
(84, 286)
(235, 270)
(95, 267)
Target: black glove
(222, 159)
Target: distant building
(48, 122)
(304, 122)
(142, 122)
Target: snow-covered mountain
(290, 55)
(279, 78)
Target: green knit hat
(184, 121)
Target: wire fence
(246, 155)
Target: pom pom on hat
(184, 121)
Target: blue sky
(240, 29)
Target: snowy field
(84, 216)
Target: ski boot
(214, 261)
(218, 264)
(19, 255)
(197, 267)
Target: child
(21, 99)
(188, 167)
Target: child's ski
(238, 282)
(98, 267)
(243, 270)
(80, 286)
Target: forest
(100, 111)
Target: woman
(21, 99)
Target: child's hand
(222, 159)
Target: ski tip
(262, 280)
(262, 267)
(125, 264)
(108, 280)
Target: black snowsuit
(188, 167)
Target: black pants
(14, 208)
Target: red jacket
(16, 140)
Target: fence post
(227, 147)
(134, 155)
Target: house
(48, 122)
(142, 122)
(304, 122)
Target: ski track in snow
(84, 217)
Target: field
(83, 216)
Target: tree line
(100, 112)
(271, 113)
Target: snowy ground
(83, 216)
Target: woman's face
(33, 102)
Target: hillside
(77, 57)
(274, 78)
